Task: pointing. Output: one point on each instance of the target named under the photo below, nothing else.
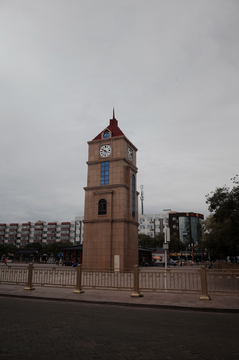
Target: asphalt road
(39, 329)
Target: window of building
(104, 179)
(106, 134)
(133, 195)
(102, 207)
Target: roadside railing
(224, 266)
(105, 279)
(54, 277)
(202, 281)
(170, 280)
(14, 275)
(223, 282)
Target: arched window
(106, 134)
(102, 207)
(133, 195)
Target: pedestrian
(5, 261)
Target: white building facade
(152, 224)
(21, 234)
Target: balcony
(38, 227)
(37, 239)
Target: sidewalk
(218, 303)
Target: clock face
(130, 154)
(105, 150)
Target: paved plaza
(40, 329)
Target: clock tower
(111, 202)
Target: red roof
(113, 127)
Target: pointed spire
(113, 121)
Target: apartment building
(21, 234)
(152, 224)
(186, 226)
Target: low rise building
(21, 234)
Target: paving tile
(217, 302)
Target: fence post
(136, 292)
(78, 289)
(204, 295)
(29, 282)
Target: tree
(176, 245)
(55, 247)
(37, 246)
(159, 240)
(221, 228)
(6, 249)
(148, 242)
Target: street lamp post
(167, 237)
(165, 246)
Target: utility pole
(142, 199)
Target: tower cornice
(113, 139)
(106, 187)
(113, 160)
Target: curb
(111, 303)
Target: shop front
(72, 255)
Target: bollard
(136, 292)
(29, 282)
(203, 275)
(78, 289)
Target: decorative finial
(113, 113)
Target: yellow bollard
(136, 292)
(78, 289)
(29, 282)
(203, 275)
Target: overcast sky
(169, 68)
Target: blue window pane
(104, 179)
(106, 135)
(133, 195)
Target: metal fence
(170, 280)
(54, 277)
(107, 279)
(223, 282)
(17, 276)
(223, 266)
